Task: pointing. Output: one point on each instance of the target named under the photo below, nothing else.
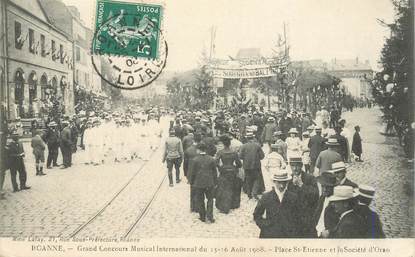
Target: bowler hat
(327, 179)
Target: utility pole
(211, 56)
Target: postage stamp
(129, 41)
(127, 29)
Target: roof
(315, 64)
(248, 53)
(348, 65)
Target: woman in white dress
(293, 143)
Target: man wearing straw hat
(327, 157)
(281, 210)
(338, 169)
(350, 224)
(251, 155)
(371, 219)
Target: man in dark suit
(350, 224)
(324, 217)
(285, 124)
(16, 156)
(203, 179)
(190, 153)
(305, 186)
(316, 145)
(342, 149)
(52, 138)
(281, 211)
(338, 169)
(251, 154)
(66, 145)
(371, 219)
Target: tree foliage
(393, 87)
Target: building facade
(68, 19)
(38, 62)
(353, 74)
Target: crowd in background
(292, 165)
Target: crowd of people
(103, 138)
(292, 165)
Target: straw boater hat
(366, 191)
(249, 135)
(52, 124)
(295, 160)
(293, 131)
(271, 119)
(342, 193)
(332, 141)
(281, 176)
(306, 133)
(311, 127)
(278, 133)
(337, 166)
(317, 128)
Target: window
(78, 54)
(18, 39)
(31, 41)
(42, 45)
(61, 53)
(53, 50)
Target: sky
(318, 29)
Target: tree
(393, 88)
(202, 91)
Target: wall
(22, 59)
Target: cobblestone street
(59, 203)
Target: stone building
(352, 72)
(68, 19)
(37, 58)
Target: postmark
(129, 42)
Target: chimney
(335, 60)
(357, 60)
(367, 62)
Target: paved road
(60, 202)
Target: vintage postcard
(206, 128)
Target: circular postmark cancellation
(129, 51)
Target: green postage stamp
(127, 29)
